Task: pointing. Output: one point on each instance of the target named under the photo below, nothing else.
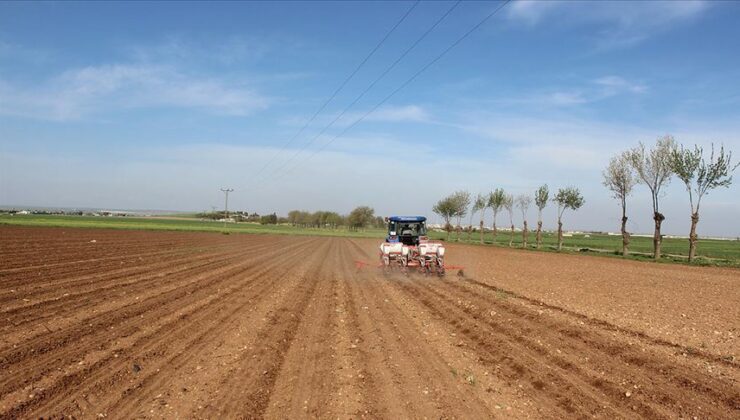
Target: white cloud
(406, 113)
(78, 93)
(565, 98)
(593, 91)
(530, 11)
(622, 23)
(389, 113)
(175, 49)
(614, 85)
(567, 147)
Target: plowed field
(98, 323)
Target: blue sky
(157, 105)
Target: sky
(158, 105)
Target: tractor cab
(406, 229)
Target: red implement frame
(363, 264)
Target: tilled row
(568, 366)
(659, 384)
(276, 327)
(74, 295)
(171, 348)
(23, 248)
(409, 370)
(34, 362)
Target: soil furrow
(164, 349)
(137, 324)
(68, 340)
(143, 337)
(249, 387)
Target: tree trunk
(657, 239)
(693, 238)
(511, 239)
(560, 235)
(625, 237)
(481, 231)
(525, 233)
(539, 234)
(495, 231)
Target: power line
(338, 89)
(369, 87)
(407, 82)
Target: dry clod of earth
(184, 325)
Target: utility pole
(226, 192)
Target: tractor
(407, 247)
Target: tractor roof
(407, 219)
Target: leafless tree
(509, 206)
(496, 202)
(479, 205)
(541, 196)
(619, 179)
(446, 208)
(567, 198)
(523, 202)
(700, 176)
(653, 168)
(461, 200)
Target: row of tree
(359, 218)
(237, 216)
(242, 216)
(654, 168)
(458, 204)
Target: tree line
(359, 218)
(458, 204)
(654, 167)
(242, 216)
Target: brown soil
(166, 324)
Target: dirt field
(98, 323)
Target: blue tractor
(407, 247)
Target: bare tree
(541, 196)
(567, 198)
(509, 206)
(523, 202)
(461, 200)
(479, 205)
(446, 208)
(653, 168)
(619, 178)
(700, 176)
(496, 202)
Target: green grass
(719, 252)
(179, 224)
(714, 252)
